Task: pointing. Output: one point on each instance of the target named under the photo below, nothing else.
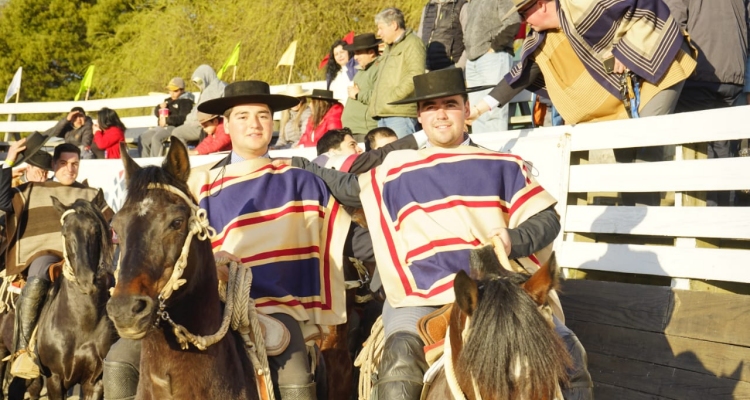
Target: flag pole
(289, 80)
(234, 73)
(87, 94)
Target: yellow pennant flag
(88, 77)
(231, 61)
(288, 57)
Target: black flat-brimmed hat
(246, 92)
(440, 83)
(363, 42)
(40, 159)
(34, 143)
(321, 94)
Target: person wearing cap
(356, 111)
(424, 219)
(33, 233)
(294, 120)
(216, 138)
(402, 59)
(170, 114)
(211, 87)
(283, 222)
(326, 115)
(593, 57)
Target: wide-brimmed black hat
(440, 83)
(321, 94)
(34, 143)
(363, 42)
(40, 159)
(246, 92)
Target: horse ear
(98, 202)
(177, 161)
(483, 263)
(543, 280)
(131, 167)
(59, 206)
(467, 293)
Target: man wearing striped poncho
(427, 207)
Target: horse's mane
(139, 181)
(507, 326)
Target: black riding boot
(401, 368)
(120, 380)
(27, 310)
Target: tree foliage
(138, 45)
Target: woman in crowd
(109, 131)
(340, 71)
(326, 115)
(293, 120)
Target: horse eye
(176, 224)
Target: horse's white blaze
(145, 206)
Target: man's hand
(162, 121)
(619, 67)
(502, 234)
(222, 266)
(353, 91)
(280, 162)
(163, 104)
(14, 149)
(72, 115)
(18, 172)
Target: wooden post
(289, 80)
(234, 73)
(694, 151)
(12, 117)
(87, 94)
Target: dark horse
(17, 387)
(509, 349)
(74, 333)
(153, 226)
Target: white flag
(15, 85)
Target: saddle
(432, 328)
(275, 334)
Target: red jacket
(109, 140)
(219, 141)
(332, 120)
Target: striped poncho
(284, 223)
(642, 34)
(426, 209)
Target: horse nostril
(139, 306)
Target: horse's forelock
(508, 315)
(91, 213)
(138, 184)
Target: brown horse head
(88, 244)
(152, 227)
(510, 349)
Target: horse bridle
(199, 227)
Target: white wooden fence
(691, 227)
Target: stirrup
(24, 365)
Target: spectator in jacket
(216, 138)
(442, 31)
(340, 71)
(719, 31)
(356, 114)
(402, 59)
(294, 120)
(76, 129)
(211, 87)
(109, 131)
(170, 114)
(326, 115)
(489, 50)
